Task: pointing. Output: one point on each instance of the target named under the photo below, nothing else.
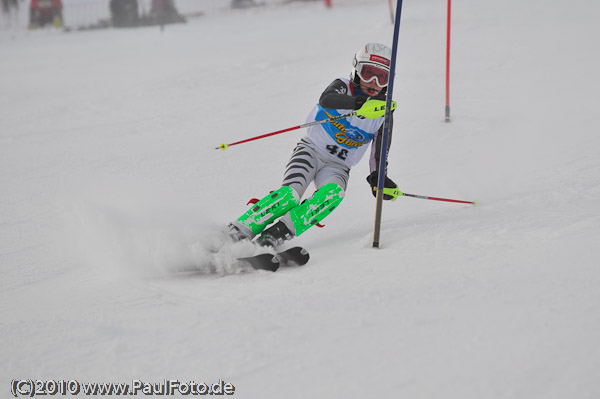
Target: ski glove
(373, 109)
(390, 189)
(359, 101)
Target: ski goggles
(368, 72)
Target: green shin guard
(316, 208)
(271, 207)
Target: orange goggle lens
(368, 72)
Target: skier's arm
(336, 97)
(374, 166)
(376, 147)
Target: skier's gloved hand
(380, 96)
(390, 189)
(359, 101)
(373, 109)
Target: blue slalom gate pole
(386, 130)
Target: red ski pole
(335, 118)
(438, 199)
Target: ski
(294, 256)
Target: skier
(165, 12)
(43, 12)
(326, 154)
(124, 13)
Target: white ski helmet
(372, 62)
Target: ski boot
(236, 234)
(275, 235)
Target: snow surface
(110, 188)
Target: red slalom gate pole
(224, 146)
(439, 199)
(448, 63)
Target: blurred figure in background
(10, 10)
(45, 12)
(124, 13)
(164, 12)
(7, 5)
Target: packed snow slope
(112, 195)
